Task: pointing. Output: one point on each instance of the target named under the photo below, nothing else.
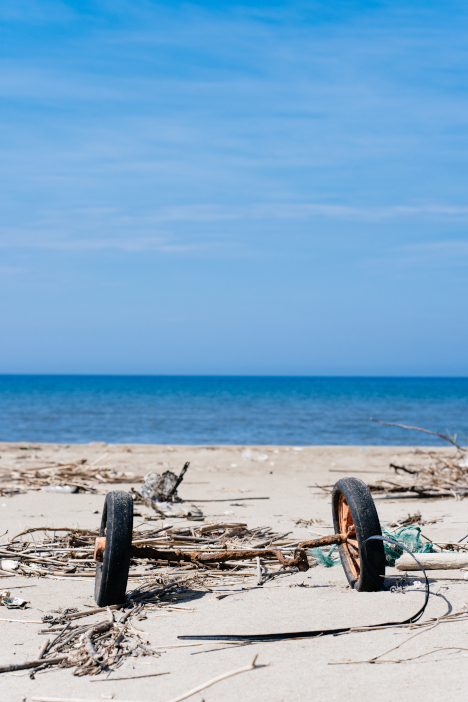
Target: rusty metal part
(201, 558)
(99, 549)
(333, 540)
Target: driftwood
(421, 491)
(444, 437)
(211, 682)
(77, 475)
(433, 561)
(32, 664)
(438, 476)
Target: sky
(267, 188)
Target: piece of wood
(252, 666)
(132, 677)
(31, 664)
(433, 561)
(44, 648)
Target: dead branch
(426, 431)
(213, 681)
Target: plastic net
(410, 537)
(323, 558)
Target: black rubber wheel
(354, 513)
(117, 526)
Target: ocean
(213, 410)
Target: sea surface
(230, 410)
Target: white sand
(298, 670)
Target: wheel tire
(117, 526)
(352, 505)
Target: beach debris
(324, 559)
(434, 475)
(249, 456)
(159, 492)
(92, 649)
(8, 565)
(413, 519)
(67, 552)
(439, 475)
(74, 476)
(103, 646)
(31, 664)
(408, 537)
(59, 616)
(433, 561)
(11, 602)
(308, 522)
(163, 488)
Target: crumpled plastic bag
(8, 601)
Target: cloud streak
(97, 220)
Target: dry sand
(320, 598)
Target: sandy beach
(218, 480)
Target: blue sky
(267, 188)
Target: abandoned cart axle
(355, 520)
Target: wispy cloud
(212, 227)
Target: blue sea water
(229, 410)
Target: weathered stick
(178, 481)
(87, 612)
(252, 666)
(31, 664)
(433, 561)
(426, 431)
(86, 532)
(259, 572)
(44, 648)
(132, 677)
